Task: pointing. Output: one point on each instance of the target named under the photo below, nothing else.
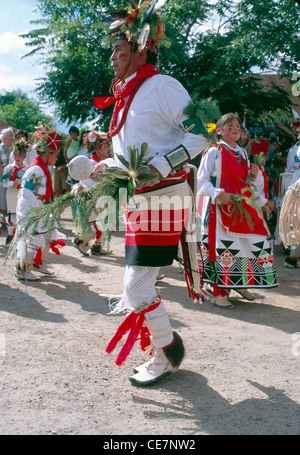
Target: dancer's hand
(224, 199)
(254, 170)
(98, 169)
(270, 205)
(153, 182)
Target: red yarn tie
(38, 256)
(55, 245)
(133, 324)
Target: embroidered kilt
(155, 219)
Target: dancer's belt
(172, 179)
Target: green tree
(217, 48)
(21, 112)
(77, 66)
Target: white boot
(245, 294)
(167, 355)
(26, 274)
(42, 268)
(83, 244)
(23, 269)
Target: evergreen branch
(84, 200)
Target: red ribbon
(37, 161)
(98, 232)
(15, 170)
(133, 324)
(55, 245)
(129, 89)
(38, 256)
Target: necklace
(235, 153)
(113, 127)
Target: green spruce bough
(83, 202)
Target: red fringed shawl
(233, 180)
(129, 89)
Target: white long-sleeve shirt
(293, 160)
(7, 183)
(155, 116)
(210, 170)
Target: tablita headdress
(21, 146)
(142, 24)
(94, 139)
(47, 138)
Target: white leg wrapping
(25, 254)
(158, 367)
(42, 267)
(160, 330)
(86, 238)
(45, 254)
(139, 289)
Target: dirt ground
(240, 375)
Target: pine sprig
(84, 200)
(258, 160)
(239, 209)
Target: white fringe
(289, 223)
(115, 303)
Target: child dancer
(235, 253)
(72, 149)
(36, 189)
(11, 180)
(97, 145)
(72, 146)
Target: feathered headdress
(21, 146)
(142, 24)
(48, 138)
(93, 139)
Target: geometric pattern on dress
(231, 271)
(263, 255)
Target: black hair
(24, 132)
(81, 136)
(152, 56)
(74, 129)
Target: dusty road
(240, 375)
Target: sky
(15, 72)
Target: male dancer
(149, 108)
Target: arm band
(29, 185)
(177, 157)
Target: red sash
(96, 158)
(37, 161)
(15, 171)
(156, 227)
(129, 89)
(266, 183)
(233, 180)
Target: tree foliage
(20, 111)
(217, 48)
